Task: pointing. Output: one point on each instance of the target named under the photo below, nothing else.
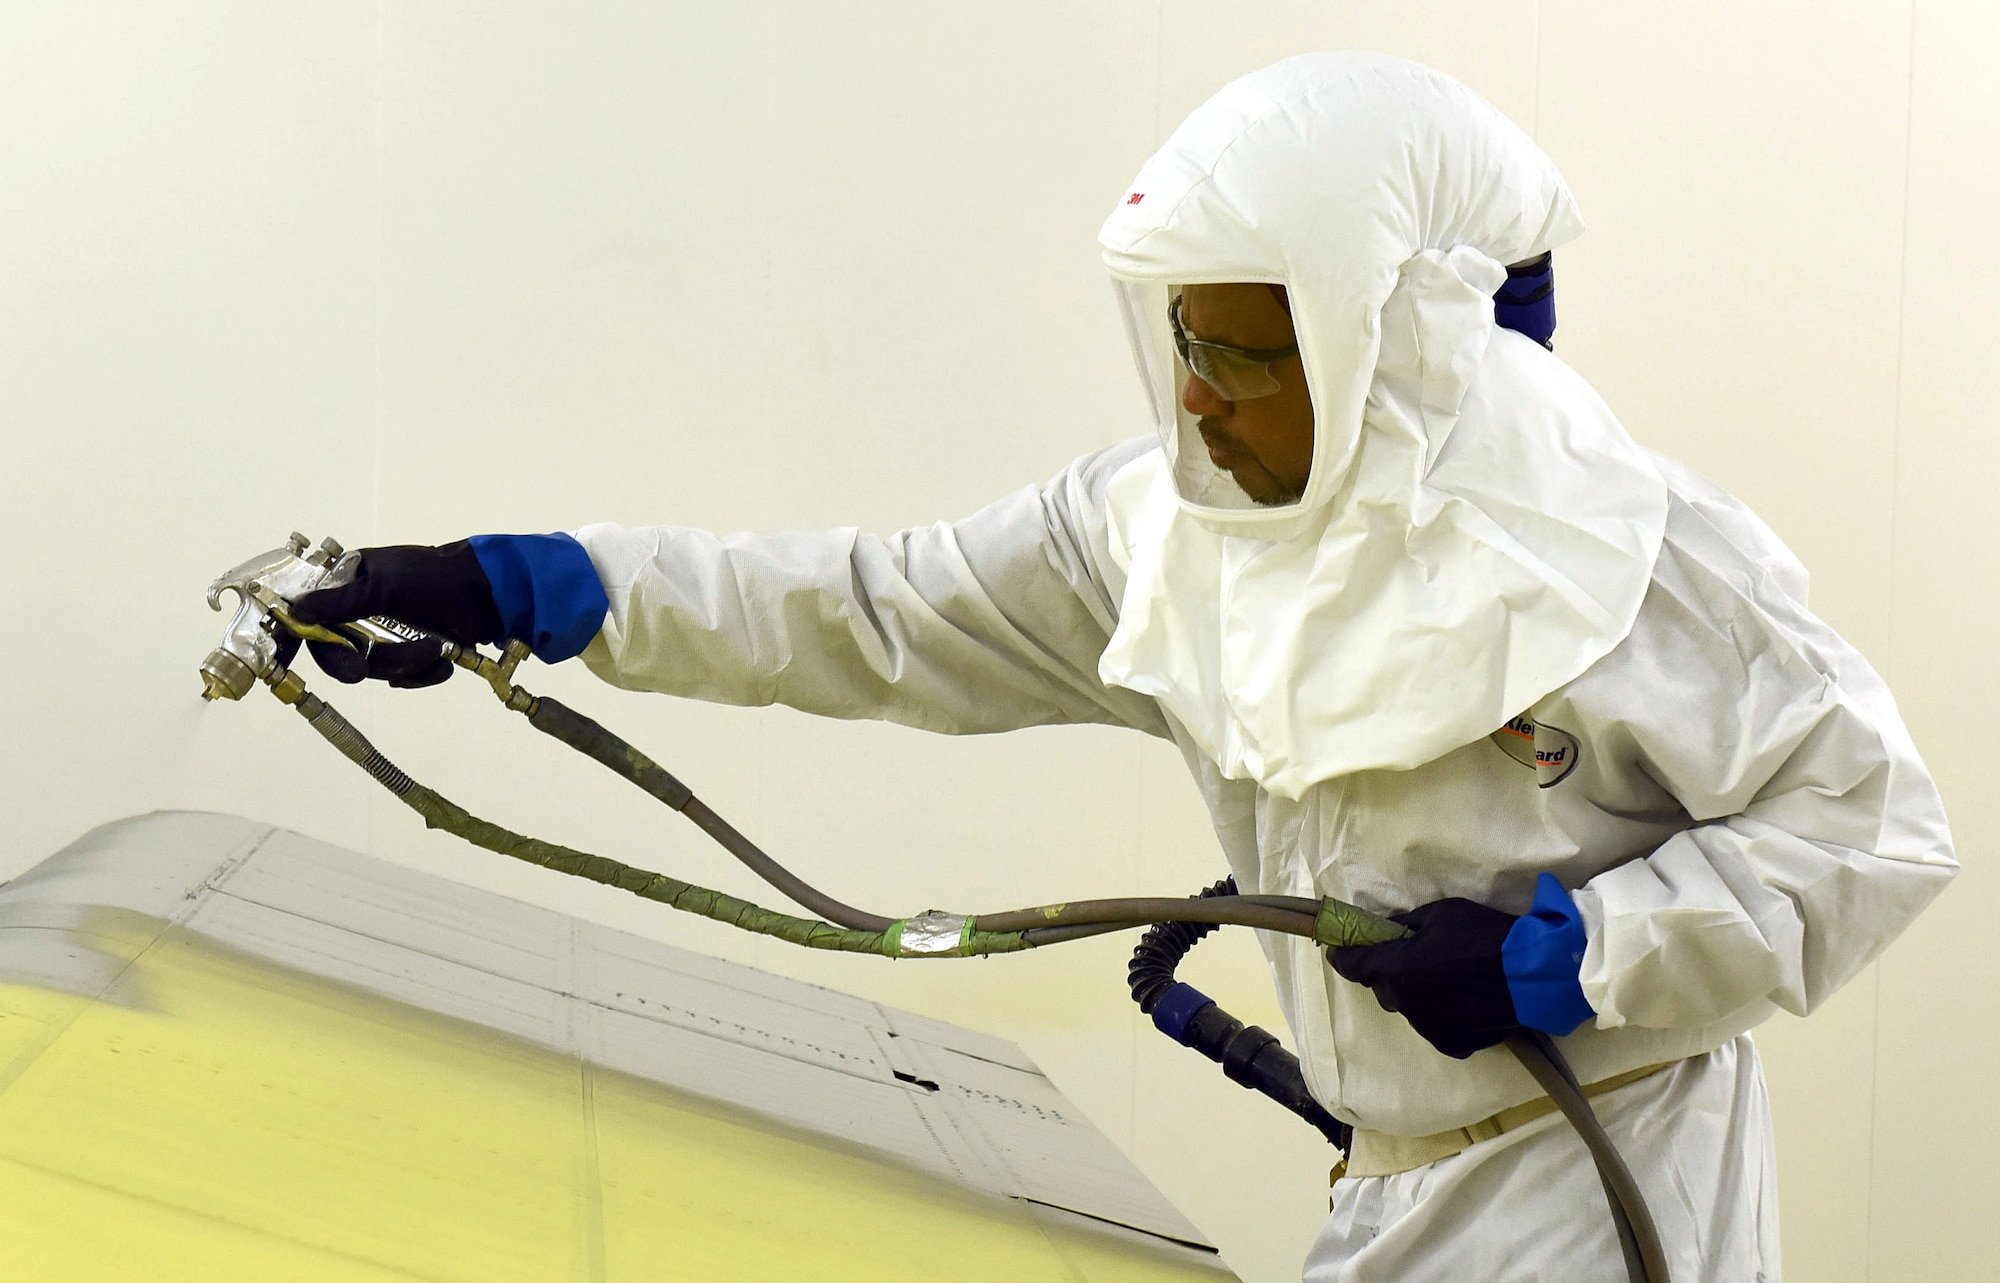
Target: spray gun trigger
(314, 632)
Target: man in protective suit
(1433, 636)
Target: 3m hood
(1421, 590)
(1329, 174)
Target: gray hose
(1638, 1237)
(979, 939)
(1292, 914)
(441, 813)
(552, 717)
(851, 930)
(1232, 910)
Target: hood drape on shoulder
(1476, 528)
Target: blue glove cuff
(1542, 957)
(546, 590)
(1526, 301)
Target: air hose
(841, 927)
(1253, 1057)
(1249, 1056)
(1638, 1237)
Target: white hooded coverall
(1746, 825)
(1728, 794)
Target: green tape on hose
(1341, 924)
(980, 944)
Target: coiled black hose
(1250, 1056)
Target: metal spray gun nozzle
(265, 587)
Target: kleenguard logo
(1553, 753)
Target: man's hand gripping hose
(249, 655)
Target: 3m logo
(1135, 198)
(1553, 753)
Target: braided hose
(440, 812)
(556, 719)
(1247, 1055)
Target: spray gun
(266, 586)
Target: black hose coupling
(1250, 1056)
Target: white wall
(408, 272)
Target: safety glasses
(1236, 373)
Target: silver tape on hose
(931, 933)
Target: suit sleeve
(1818, 835)
(986, 624)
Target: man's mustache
(1221, 440)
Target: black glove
(1471, 975)
(1447, 980)
(441, 590)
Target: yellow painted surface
(234, 1120)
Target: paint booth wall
(401, 273)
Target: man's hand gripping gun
(254, 646)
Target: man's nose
(1201, 400)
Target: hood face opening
(1471, 529)
(1204, 478)
(1348, 178)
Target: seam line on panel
(246, 1227)
(1889, 657)
(579, 1022)
(189, 905)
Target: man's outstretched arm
(989, 623)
